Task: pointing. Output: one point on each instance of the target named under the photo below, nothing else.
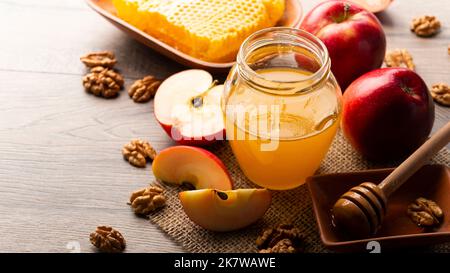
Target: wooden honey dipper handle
(416, 161)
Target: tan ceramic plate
(292, 16)
(432, 182)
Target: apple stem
(197, 101)
(406, 89)
(344, 16)
(347, 7)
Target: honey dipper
(359, 212)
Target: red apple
(387, 113)
(353, 36)
(187, 106)
(196, 166)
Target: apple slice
(196, 166)
(225, 210)
(373, 5)
(187, 105)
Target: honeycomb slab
(211, 30)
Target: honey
(282, 111)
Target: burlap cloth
(287, 206)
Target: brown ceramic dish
(431, 182)
(292, 16)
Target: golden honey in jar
(281, 107)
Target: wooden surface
(61, 170)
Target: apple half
(225, 210)
(187, 106)
(374, 6)
(192, 165)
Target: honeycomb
(211, 30)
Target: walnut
(425, 26)
(146, 200)
(285, 238)
(441, 93)
(425, 213)
(102, 81)
(102, 58)
(137, 152)
(399, 58)
(264, 239)
(282, 246)
(107, 239)
(144, 89)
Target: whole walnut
(425, 213)
(144, 89)
(282, 246)
(441, 93)
(107, 239)
(425, 26)
(285, 238)
(101, 58)
(399, 58)
(103, 82)
(137, 152)
(147, 200)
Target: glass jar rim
(313, 41)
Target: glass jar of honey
(281, 107)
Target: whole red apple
(354, 38)
(387, 113)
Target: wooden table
(61, 169)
